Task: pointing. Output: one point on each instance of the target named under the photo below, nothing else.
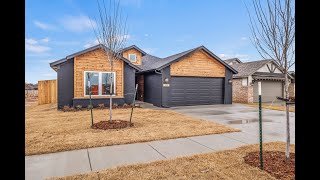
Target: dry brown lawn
(278, 107)
(48, 130)
(227, 164)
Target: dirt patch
(274, 163)
(114, 124)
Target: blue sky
(55, 29)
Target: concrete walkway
(94, 159)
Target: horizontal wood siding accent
(199, 64)
(96, 61)
(47, 91)
(126, 53)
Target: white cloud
(150, 50)
(43, 26)
(36, 48)
(79, 23)
(31, 45)
(92, 43)
(45, 40)
(31, 41)
(146, 35)
(229, 56)
(244, 38)
(47, 60)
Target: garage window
(244, 81)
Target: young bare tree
(272, 24)
(111, 33)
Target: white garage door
(270, 90)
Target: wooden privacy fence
(47, 91)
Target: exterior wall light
(230, 81)
(166, 80)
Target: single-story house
(245, 86)
(193, 77)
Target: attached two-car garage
(196, 90)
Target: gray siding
(65, 83)
(152, 88)
(129, 83)
(95, 102)
(228, 87)
(166, 91)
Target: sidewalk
(94, 159)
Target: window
(99, 82)
(132, 57)
(244, 82)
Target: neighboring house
(245, 86)
(292, 85)
(192, 77)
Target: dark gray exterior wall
(129, 88)
(65, 83)
(228, 87)
(129, 83)
(153, 88)
(84, 102)
(166, 91)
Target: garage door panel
(196, 91)
(270, 90)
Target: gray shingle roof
(54, 64)
(248, 68)
(150, 62)
(230, 60)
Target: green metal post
(260, 131)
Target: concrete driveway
(245, 118)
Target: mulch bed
(274, 163)
(115, 124)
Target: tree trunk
(287, 116)
(111, 88)
(110, 110)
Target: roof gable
(54, 64)
(134, 47)
(160, 63)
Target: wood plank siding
(47, 91)
(96, 60)
(138, 54)
(198, 64)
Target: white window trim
(134, 56)
(99, 83)
(247, 83)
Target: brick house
(244, 83)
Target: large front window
(100, 83)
